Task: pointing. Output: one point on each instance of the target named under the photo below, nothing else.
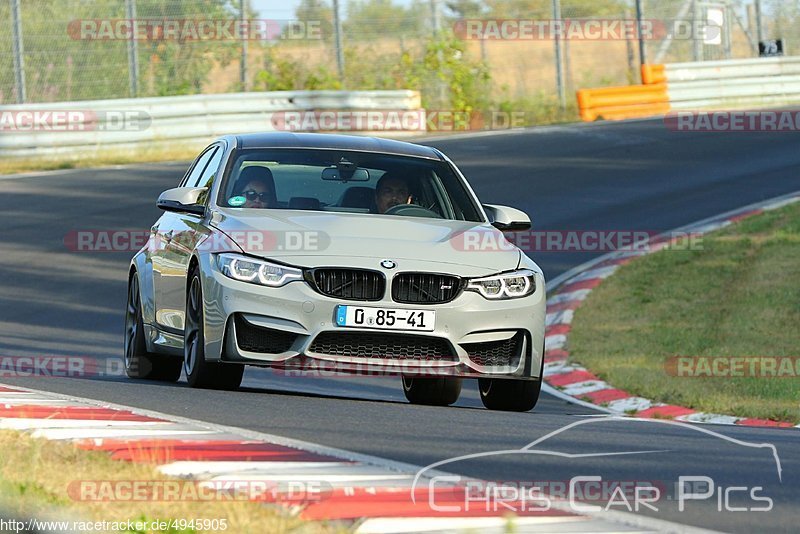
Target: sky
(275, 9)
(284, 9)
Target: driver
(391, 191)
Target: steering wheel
(412, 210)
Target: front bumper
(299, 315)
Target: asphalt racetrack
(628, 176)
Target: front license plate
(386, 319)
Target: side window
(194, 176)
(209, 175)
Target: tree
(466, 9)
(179, 67)
(317, 11)
(512, 9)
(374, 19)
(281, 73)
(543, 9)
(594, 8)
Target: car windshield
(346, 181)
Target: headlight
(505, 286)
(255, 271)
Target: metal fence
(721, 29)
(60, 50)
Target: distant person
(257, 186)
(391, 191)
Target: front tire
(509, 395)
(199, 372)
(432, 391)
(512, 395)
(138, 362)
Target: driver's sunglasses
(253, 195)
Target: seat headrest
(358, 197)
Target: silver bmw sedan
(331, 253)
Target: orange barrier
(652, 74)
(633, 101)
(616, 103)
(618, 113)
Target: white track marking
(20, 423)
(581, 388)
(555, 342)
(184, 468)
(561, 317)
(630, 404)
(562, 369)
(484, 525)
(578, 295)
(593, 274)
(38, 401)
(715, 418)
(88, 433)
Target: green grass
(739, 295)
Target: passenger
(257, 186)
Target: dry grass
(35, 475)
(101, 158)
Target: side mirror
(182, 200)
(507, 219)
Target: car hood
(312, 238)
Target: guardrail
(750, 82)
(623, 102)
(128, 124)
(707, 84)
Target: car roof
(336, 142)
